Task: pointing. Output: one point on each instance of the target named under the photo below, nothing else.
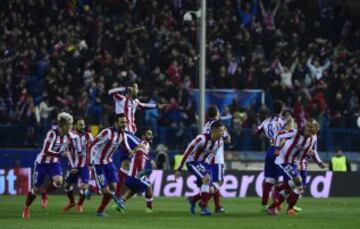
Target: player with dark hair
(197, 158)
(270, 128)
(47, 162)
(102, 151)
(126, 102)
(140, 169)
(79, 160)
(217, 163)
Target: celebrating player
(270, 127)
(197, 157)
(79, 158)
(102, 150)
(137, 180)
(47, 162)
(217, 163)
(126, 102)
(298, 144)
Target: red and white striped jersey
(128, 107)
(74, 150)
(202, 148)
(271, 126)
(82, 157)
(296, 146)
(219, 157)
(105, 144)
(138, 161)
(313, 153)
(54, 145)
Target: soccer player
(79, 159)
(197, 157)
(137, 180)
(47, 162)
(102, 150)
(299, 143)
(270, 128)
(126, 102)
(217, 163)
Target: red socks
(266, 192)
(149, 200)
(196, 198)
(217, 199)
(292, 199)
(29, 199)
(104, 202)
(120, 184)
(205, 197)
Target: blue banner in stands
(225, 97)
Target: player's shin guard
(293, 198)
(30, 198)
(266, 192)
(120, 184)
(205, 195)
(70, 194)
(82, 197)
(104, 202)
(149, 200)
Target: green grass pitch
(340, 213)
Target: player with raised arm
(126, 102)
(292, 145)
(79, 159)
(140, 169)
(47, 162)
(197, 158)
(270, 128)
(102, 151)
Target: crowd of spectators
(64, 56)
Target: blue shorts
(83, 175)
(137, 185)
(43, 170)
(270, 170)
(105, 174)
(199, 170)
(132, 141)
(217, 172)
(303, 174)
(288, 171)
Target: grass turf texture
(341, 213)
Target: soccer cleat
(220, 210)
(263, 208)
(297, 209)
(44, 200)
(69, 206)
(291, 212)
(192, 205)
(205, 212)
(101, 214)
(26, 213)
(149, 210)
(271, 211)
(119, 204)
(79, 208)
